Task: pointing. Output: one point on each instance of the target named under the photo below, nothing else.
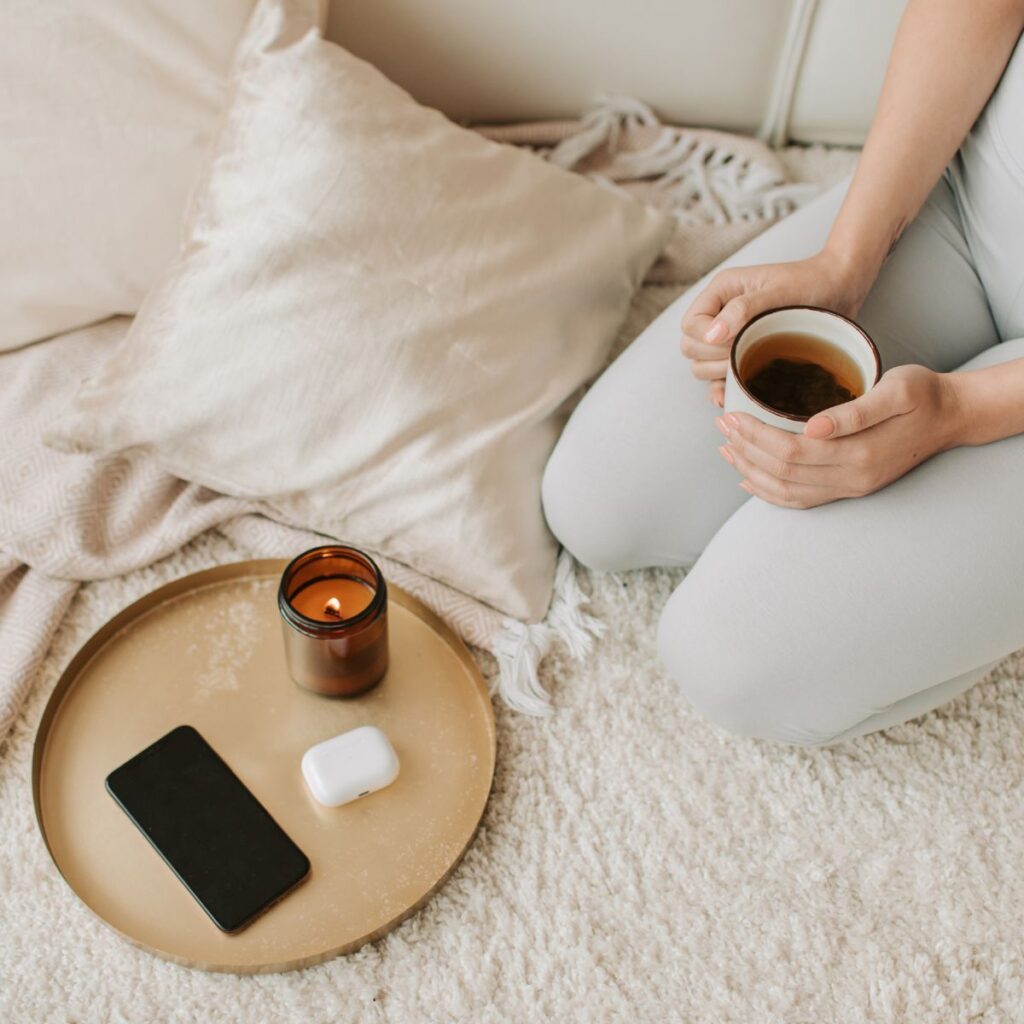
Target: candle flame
(333, 607)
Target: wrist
(961, 409)
(854, 270)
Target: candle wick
(333, 607)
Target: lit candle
(332, 598)
(333, 603)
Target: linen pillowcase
(107, 109)
(379, 323)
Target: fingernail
(746, 486)
(732, 421)
(722, 425)
(723, 450)
(718, 401)
(715, 332)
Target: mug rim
(782, 309)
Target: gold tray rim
(247, 568)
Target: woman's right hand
(735, 295)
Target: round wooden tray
(207, 650)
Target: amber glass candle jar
(334, 606)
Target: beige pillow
(379, 323)
(107, 109)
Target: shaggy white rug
(635, 863)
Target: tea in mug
(799, 374)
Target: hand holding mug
(851, 450)
(854, 448)
(736, 295)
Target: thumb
(853, 416)
(737, 312)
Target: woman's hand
(851, 449)
(736, 294)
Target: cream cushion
(379, 322)
(107, 108)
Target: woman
(872, 568)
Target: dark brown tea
(800, 374)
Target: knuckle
(740, 309)
(860, 458)
(855, 418)
(864, 483)
(786, 493)
(789, 449)
(904, 390)
(781, 469)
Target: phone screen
(208, 827)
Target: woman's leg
(810, 626)
(636, 479)
(832, 622)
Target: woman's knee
(734, 675)
(583, 506)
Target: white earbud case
(350, 765)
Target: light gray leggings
(814, 625)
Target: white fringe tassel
(519, 647)
(708, 182)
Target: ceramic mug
(831, 328)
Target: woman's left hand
(852, 449)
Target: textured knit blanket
(65, 519)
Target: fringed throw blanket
(721, 189)
(66, 519)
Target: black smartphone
(208, 827)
